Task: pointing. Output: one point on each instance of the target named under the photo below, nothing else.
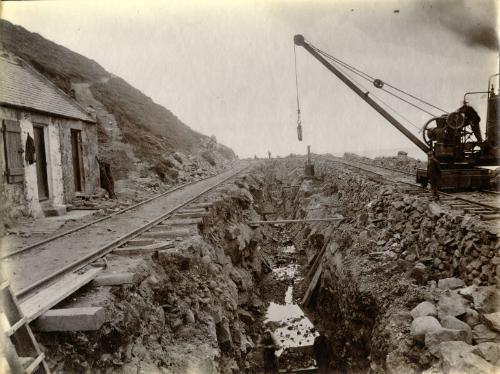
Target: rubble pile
(385, 258)
(446, 243)
(400, 162)
(460, 326)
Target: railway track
(81, 227)
(147, 226)
(485, 204)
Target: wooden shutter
(13, 151)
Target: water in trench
(293, 330)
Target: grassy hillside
(56, 62)
(152, 131)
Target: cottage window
(14, 165)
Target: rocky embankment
(400, 162)
(393, 252)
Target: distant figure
(269, 154)
(472, 119)
(434, 174)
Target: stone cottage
(48, 143)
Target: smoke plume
(473, 21)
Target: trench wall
(189, 310)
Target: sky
(226, 68)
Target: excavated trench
(238, 297)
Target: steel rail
(87, 259)
(78, 228)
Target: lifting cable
(379, 84)
(296, 84)
(383, 102)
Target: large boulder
(423, 309)
(486, 299)
(481, 334)
(452, 304)
(489, 351)
(471, 317)
(423, 325)
(434, 338)
(492, 320)
(457, 357)
(450, 283)
(454, 323)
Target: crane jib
(300, 41)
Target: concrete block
(114, 279)
(71, 319)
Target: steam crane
(454, 138)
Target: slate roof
(23, 87)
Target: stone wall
(403, 226)
(22, 198)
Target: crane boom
(300, 41)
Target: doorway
(41, 163)
(76, 149)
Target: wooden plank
(200, 205)
(489, 217)
(312, 285)
(297, 220)
(192, 210)
(190, 214)
(141, 250)
(56, 292)
(35, 363)
(12, 126)
(114, 279)
(164, 227)
(181, 222)
(168, 234)
(140, 242)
